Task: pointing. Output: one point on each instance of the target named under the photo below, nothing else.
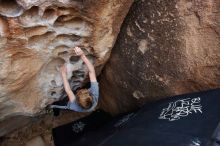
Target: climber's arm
(92, 74)
(91, 68)
(67, 88)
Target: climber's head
(84, 98)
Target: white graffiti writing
(181, 108)
(78, 127)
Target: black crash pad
(184, 120)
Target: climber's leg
(56, 106)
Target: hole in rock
(64, 37)
(51, 67)
(61, 40)
(85, 50)
(64, 18)
(62, 53)
(90, 57)
(75, 79)
(49, 13)
(78, 74)
(41, 40)
(53, 83)
(76, 26)
(30, 17)
(53, 93)
(32, 12)
(10, 8)
(76, 86)
(76, 83)
(74, 59)
(35, 31)
(66, 11)
(60, 50)
(75, 23)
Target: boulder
(164, 48)
(38, 36)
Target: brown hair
(84, 98)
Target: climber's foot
(56, 112)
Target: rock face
(164, 48)
(37, 36)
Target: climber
(86, 99)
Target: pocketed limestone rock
(38, 36)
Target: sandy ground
(42, 127)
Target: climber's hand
(63, 70)
(78, 51)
